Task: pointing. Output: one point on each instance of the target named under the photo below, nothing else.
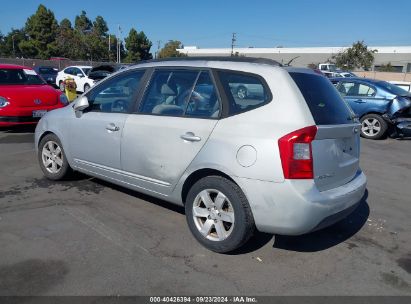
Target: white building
(398, 56)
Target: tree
(357, 56)
(100, 26)
(42, 30)
(386, 68)
(2, 44)
(170, 49)
(82, 23)
(138, 46)
(65, 39)
(14, 37)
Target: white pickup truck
(328, 69)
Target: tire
(61, 86)
(242, 92)
(373, 126)
(86, 87)
(52, 159)
(219, 208)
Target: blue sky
(258, 23)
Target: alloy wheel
(371, 127)
(52, 157)
(213, 215)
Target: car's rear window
(325, 103)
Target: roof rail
(216, 58)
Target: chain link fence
(59, 64)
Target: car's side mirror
(81, 104)
(80, 75)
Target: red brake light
(296, 153)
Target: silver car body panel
(149, 155)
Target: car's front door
(175, 118)
(95, 134)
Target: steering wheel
(119, 105)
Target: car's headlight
(63, 99)
(3, 102)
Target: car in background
(345, 74)
(382, 107)
(25, 97)
(48, 73)
(287, 163)
(405, 85)
(100, 72)
(79, 74)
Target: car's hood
(399, 104)
(30, 95)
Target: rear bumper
(296, 207)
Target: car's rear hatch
(336, 146)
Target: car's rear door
(336, 147)
(95, 134)
(174, 120)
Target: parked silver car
(285, 163)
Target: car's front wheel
(218, 214)
(373, 126)
(52, 159)
(86, 87)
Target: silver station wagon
(283, 161)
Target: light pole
(14, 51)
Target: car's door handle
(112, 127)
(190, 136)
(359, 101)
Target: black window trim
(135, 94)
(227, 98)
(137, 107)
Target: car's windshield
(19, 77)
(392, 88)
(86, 70)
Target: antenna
(233, 40)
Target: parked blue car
(383, 108)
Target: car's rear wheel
(373, 126)
(52, 159)
(61, 86)
(218, 214)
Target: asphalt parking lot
(87, 237)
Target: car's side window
(68, 71)
(117, 94)
(203, 102)
(244, 91)
(76, 71)
(168, 92)
(365, 90)
(355, 89)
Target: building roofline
(307, 50)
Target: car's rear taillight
(296, 153)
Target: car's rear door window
(244, 91)
(326, 105)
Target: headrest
(167, 90)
